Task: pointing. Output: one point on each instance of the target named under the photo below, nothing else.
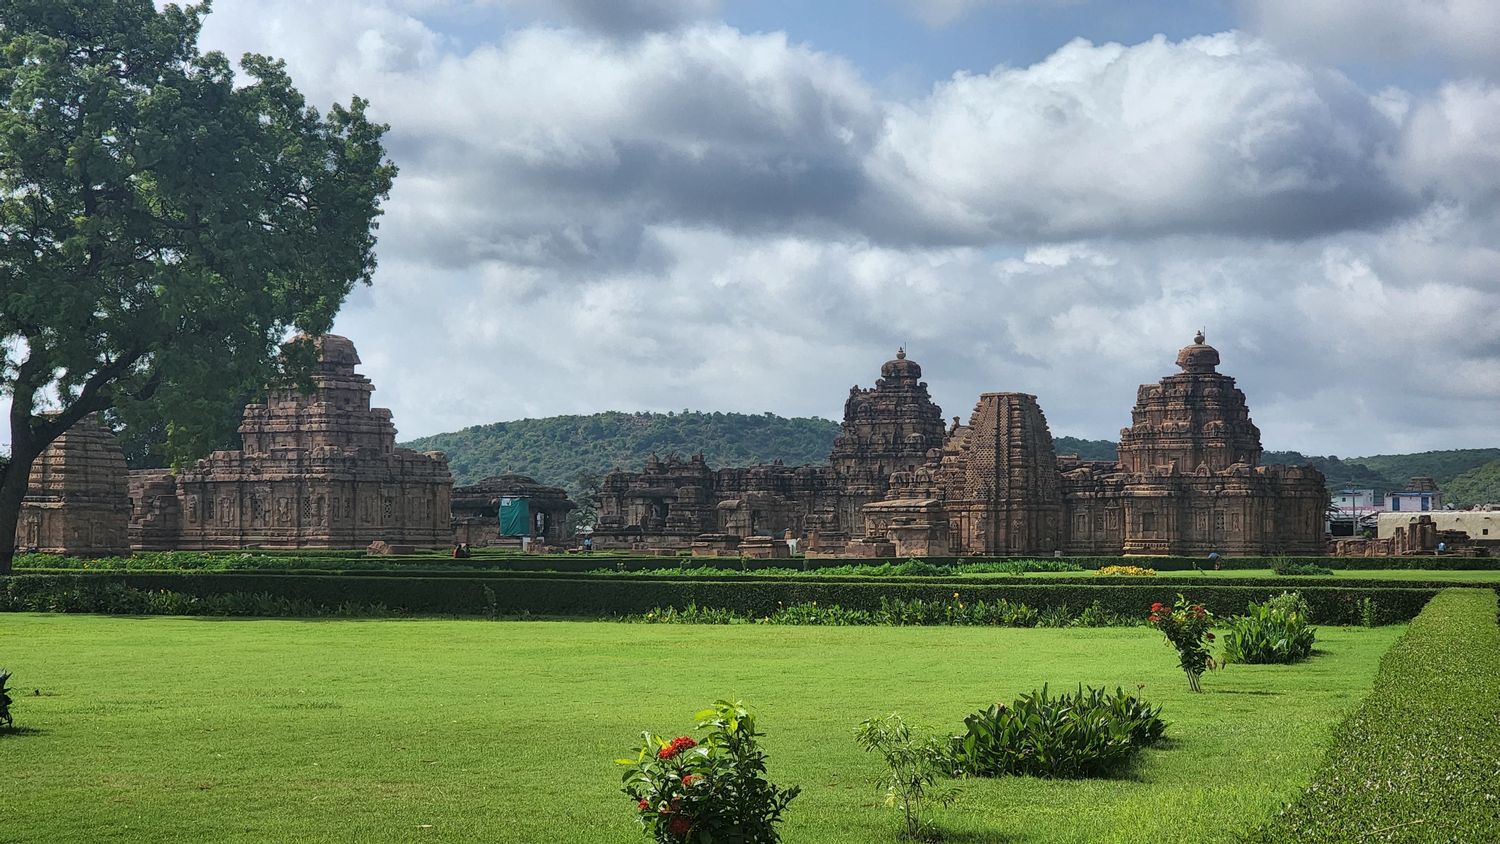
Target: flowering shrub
(1125, 571)
(710, 790)
(1186, 627)
(1276, 631)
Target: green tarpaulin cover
(515, 517)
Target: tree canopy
(164, 222)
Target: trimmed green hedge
(325, 559)
(604, 596)
(1420, 759)
(1179, 582)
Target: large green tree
(164, 225)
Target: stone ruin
(75, 500)
(319, 470)
(1188, 481)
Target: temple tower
(1011, 492)
(887, 428)
(77, 499)
(1192, 419)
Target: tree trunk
(12, 489)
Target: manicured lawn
(1444, 575)
(152, 729)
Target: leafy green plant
(691, 614)
(1087, 733)
(1055, 617)
(709, 790)
(1095, 615)
(1274, 631)
(1186, 626)
(914, 764)
(1020, 567)
(5, 701)
(1301, 570)
(1367, 611)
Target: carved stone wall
(77, 496)
(320, 470)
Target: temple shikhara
(1188, 481)
(75, 495)
(317, 470)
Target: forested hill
(569, 451)
(1467, 476)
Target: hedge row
(326, 559)
(1420, 759)
(1179, 582)
(594, 596)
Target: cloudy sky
(747, 205)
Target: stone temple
(670, 503)
(75, 497)
(318, 470)
(1188, 481)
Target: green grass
(154, 729)
(1420, 759)
(1443, 575)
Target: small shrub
(1186, 626)
(914, 763)
(711, 790)
(1367, 611)
(1301, 570)
(1095, 615)
(1059, 616)
(826, 616)
(1276, 631)
(1087, 733)
(691, 614)
(5, 719)
(1125, 571)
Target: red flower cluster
(690, 779)
(644, 805)
(677, 745)
(1157, 609)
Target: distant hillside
(1480, 485)
(1466, 476)
(571, 451)
(1086, 449)
(1441, 466)
(1340, 474)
